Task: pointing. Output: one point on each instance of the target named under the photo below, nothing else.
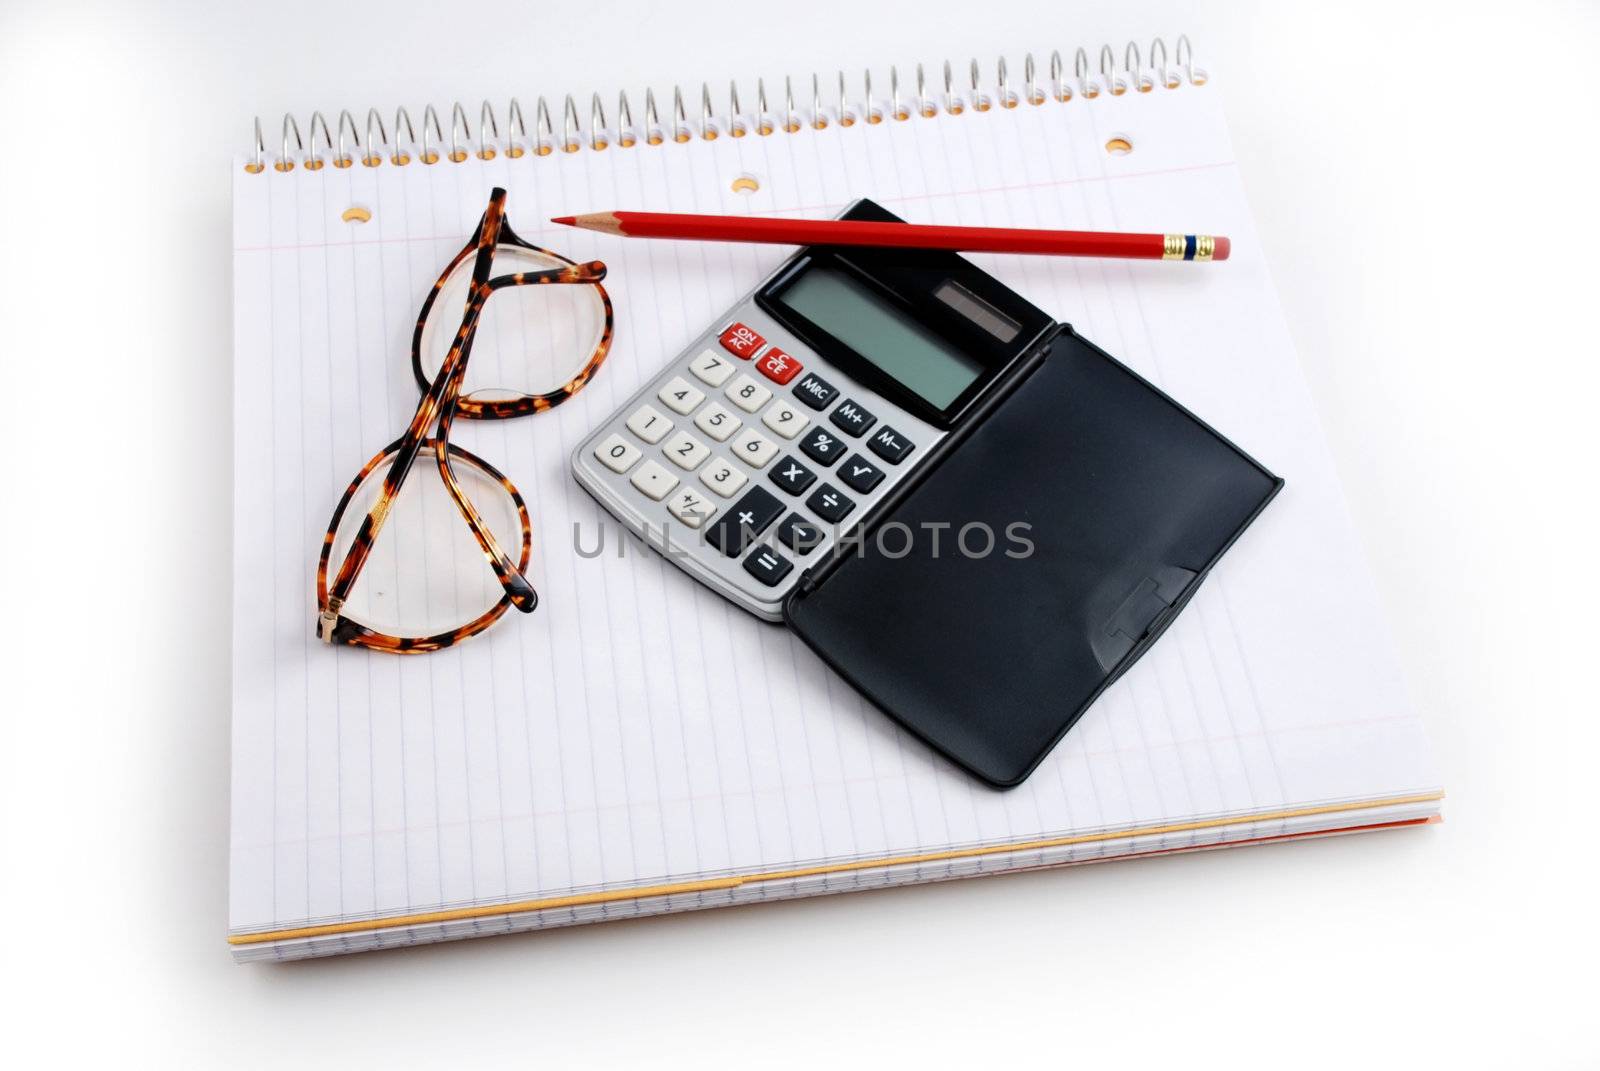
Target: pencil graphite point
(604, 222)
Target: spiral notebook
(638, 745)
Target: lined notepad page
(639, 730)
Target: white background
(1425, 181)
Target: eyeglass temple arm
(516, 586)
(591, 272)
(446, 385)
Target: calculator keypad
(686, 451)
(723, 477)
(711, 368)
(649, 424)
(767, 566)
(751, 447)
(790, 475)
(784, 419)
(890, 445)
(680, 397)
(749, 474)
(852, 419)
(823, 446)
(747, 394)
(816, 391)
(742, 342)
(691, 507)
(653, 481)
(778, 366)
(717, 422)
(829, 503)
(799, 534)
(617, 454)
(859, 474)
(747, 519)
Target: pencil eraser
(1222, 248)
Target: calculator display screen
(898, 345)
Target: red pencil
(903, 235)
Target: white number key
(747, 394)
(678, 396)
(649, 424)
(784, 419)
(723, 478)
(717, 422)
(752, 449)
(653, 481)
(691, 507)
(617, 453)
(686, 451)
(711, 368)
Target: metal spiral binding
(1140, 72)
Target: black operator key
(860, 474)
(823, 446)
(830, 504)
(792, 476)
(749, 517)
(767, 566)
(851, 419)
(890, 445)
(799, 534)
(815, 391)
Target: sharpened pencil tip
(566, 221)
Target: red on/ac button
(778, 366)
(742, 342)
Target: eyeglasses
(433, 581)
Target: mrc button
(815, 391)
(740, 341)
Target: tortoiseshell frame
(503, 408)
(439, 405)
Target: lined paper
(588, 747)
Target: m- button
(890, 445)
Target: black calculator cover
(1129, 501)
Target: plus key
(749, 517)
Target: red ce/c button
(778, 366)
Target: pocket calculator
(773, 435)
(807, 452)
